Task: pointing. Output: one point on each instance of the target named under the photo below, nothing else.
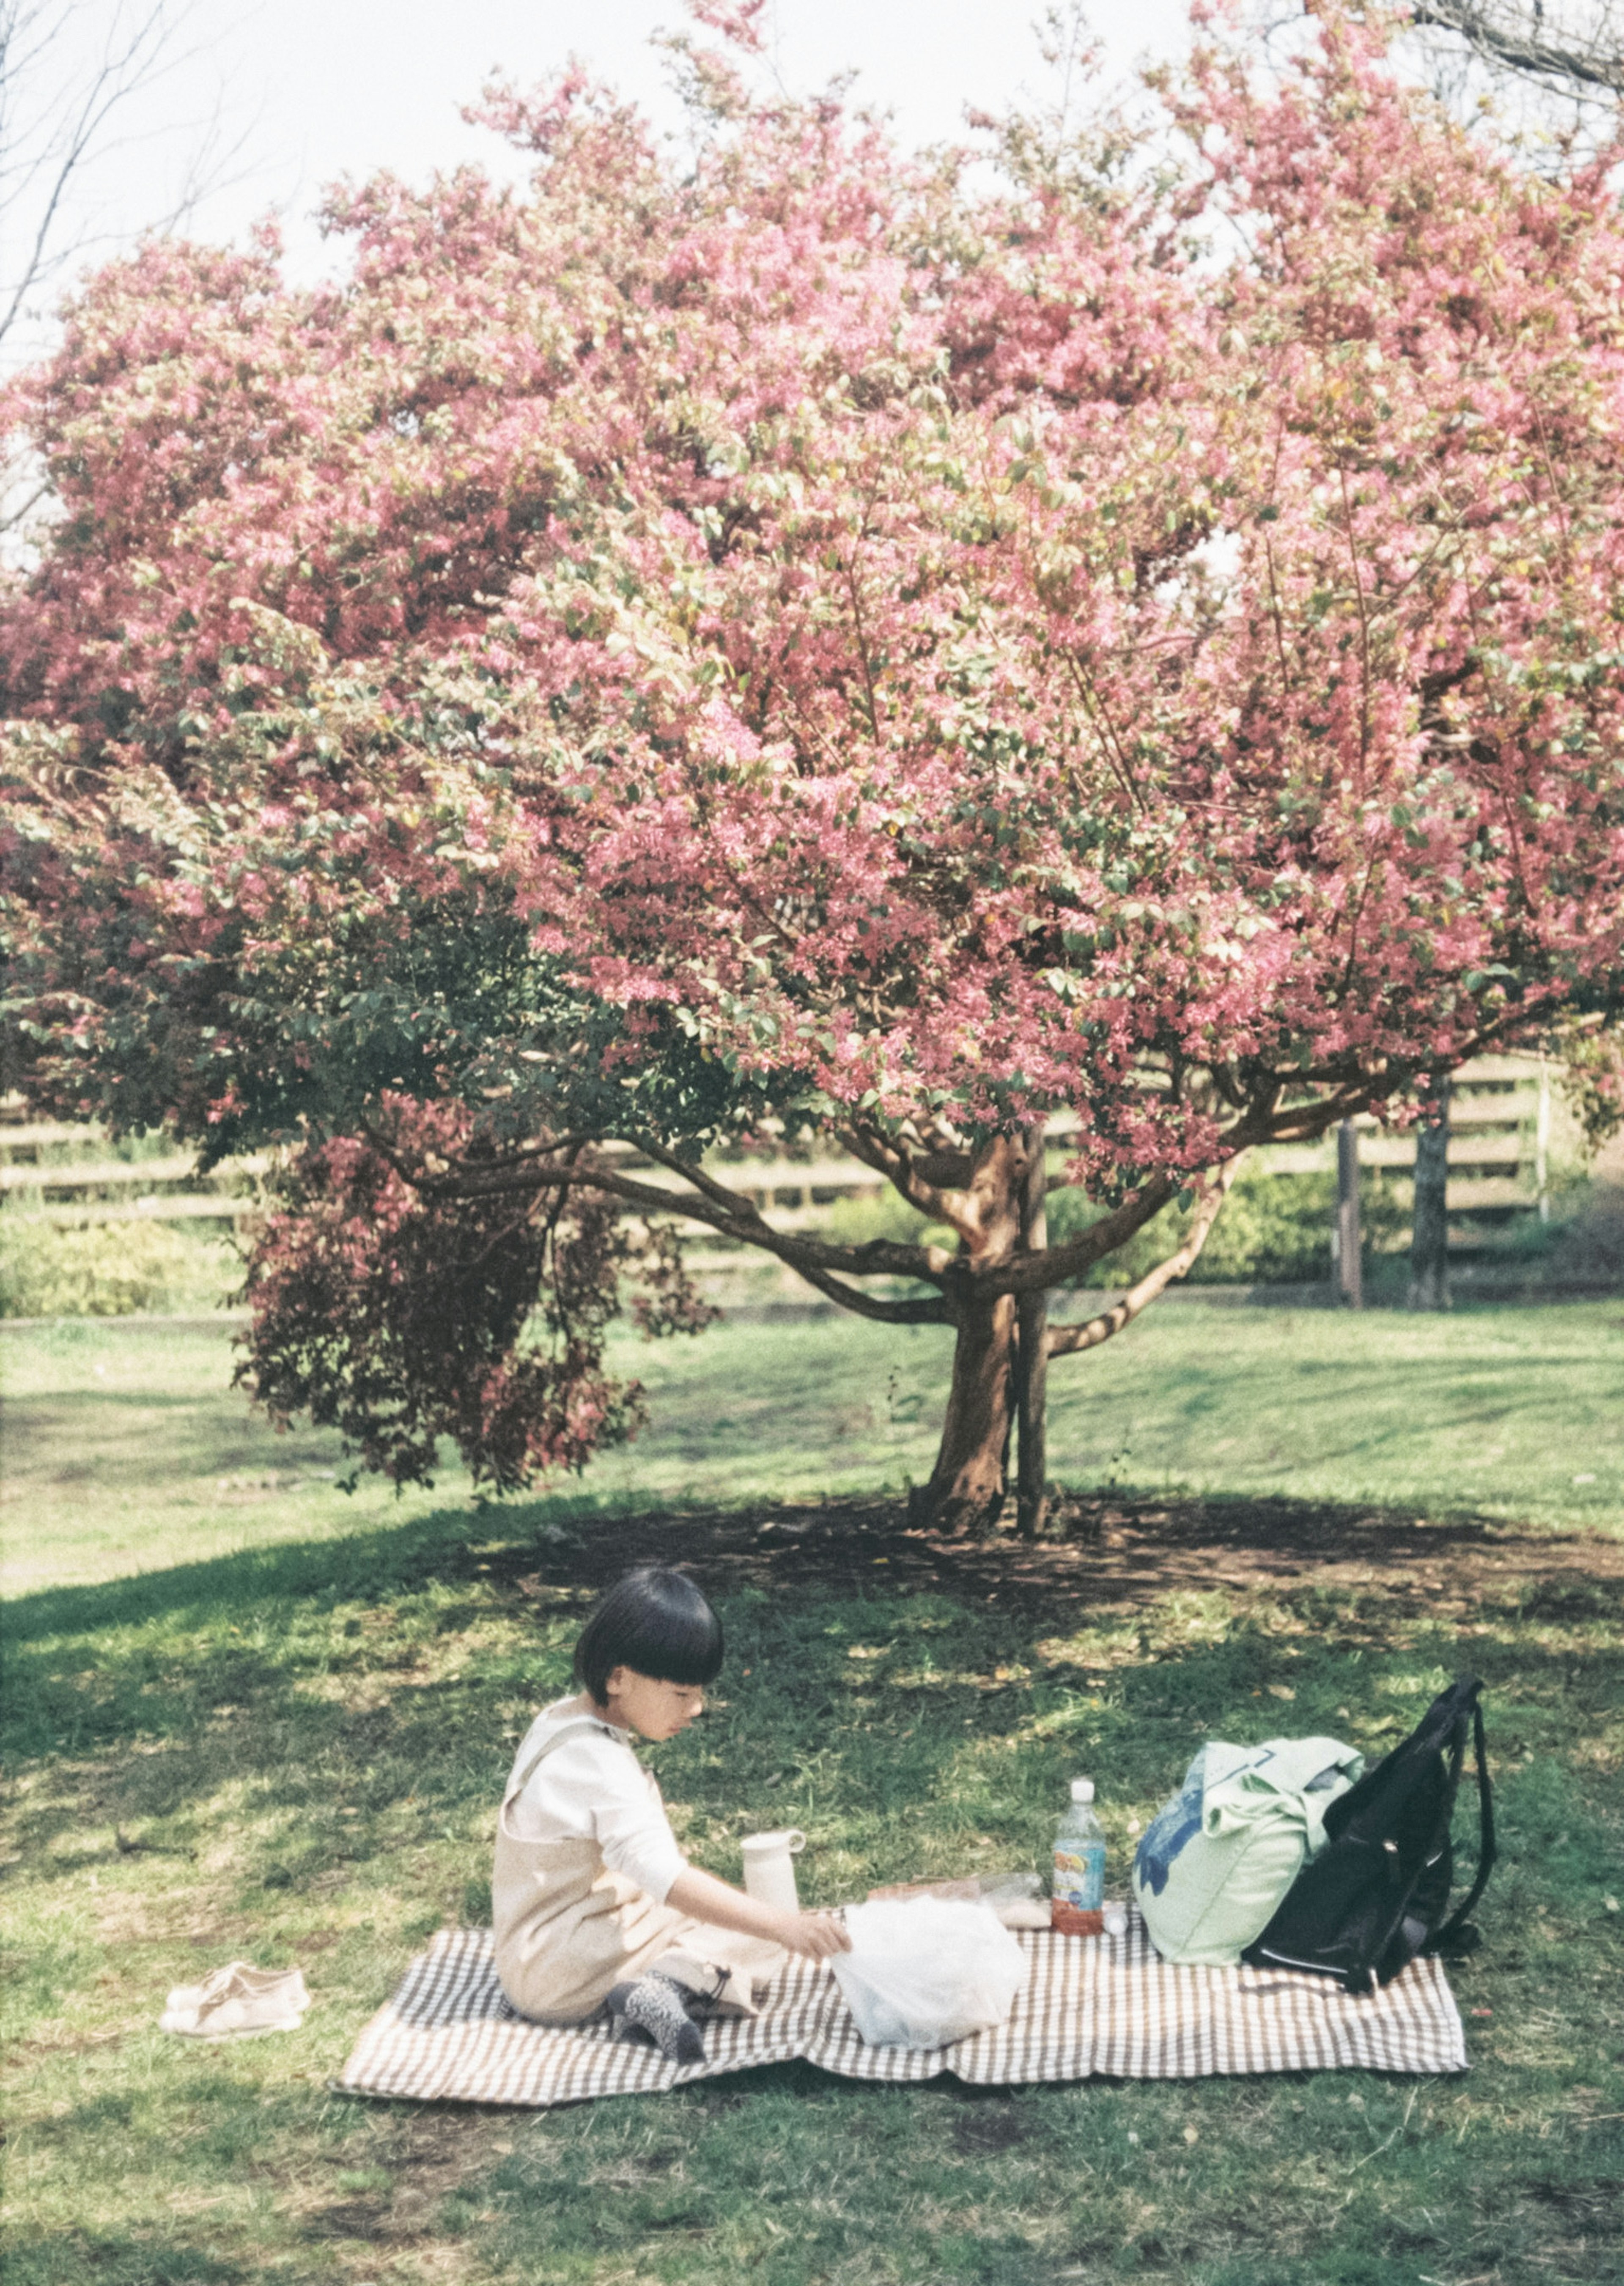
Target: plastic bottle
(1075, 1906)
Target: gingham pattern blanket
(1106, 2005)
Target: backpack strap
(1486, 1849)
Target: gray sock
(655, 2005)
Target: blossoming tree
(812, 645)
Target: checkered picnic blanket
(1106, 2005)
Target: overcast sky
(302, 91)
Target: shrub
(111, 1270)
(1275, 1230)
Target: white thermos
(769, 1867)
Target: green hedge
(1275, 1230)
(112, 1270)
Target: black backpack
(1378, 1892)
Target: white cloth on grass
(593, 1788)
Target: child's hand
(814, 1934)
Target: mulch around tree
(1119, 1551)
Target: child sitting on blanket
(593, 1900)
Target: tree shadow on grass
(349, 1695)
(1118, 1545)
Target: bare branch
(927, 1310)
(1059, 1266)
(717, 1193)
(922, 1311)
(1517, 42)
(70, 73)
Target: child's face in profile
(652, 1708)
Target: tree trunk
(1032, 1353)
(1430, 1232)
(966, 1486)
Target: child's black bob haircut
(656, 1622)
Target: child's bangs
(680, 1647)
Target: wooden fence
(1500, 1154)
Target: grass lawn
(126, 1446)
(254, 1718)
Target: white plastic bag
(923, 1972)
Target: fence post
(1541, 1143)
(1430, 1229)
(1031, 1350)
(1350, 1283)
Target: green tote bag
(1219, 1857)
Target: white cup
(769, 1869)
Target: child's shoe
(656, 2005)
(235, 2001)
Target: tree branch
(719, 1208)
(130, 56)
(717, 1193)
(926, 1310)
(925, 1186)
(1065, 1341)
(1520, 50)
(716, 1207)
(1057, 1265)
